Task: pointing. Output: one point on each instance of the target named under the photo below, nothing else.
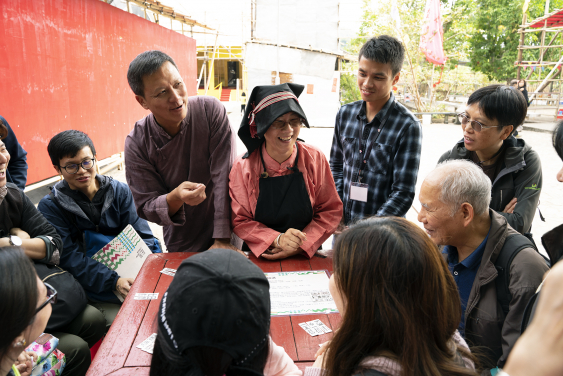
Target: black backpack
(71, 298)
(513, 244)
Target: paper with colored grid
(300, 293)
(125, 254)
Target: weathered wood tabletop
(136, 321)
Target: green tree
(494, 43)
(418, 75)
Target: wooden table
(136, 321)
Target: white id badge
(359, 192)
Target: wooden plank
(114, 349)
(303, 365)
(137, 357)
(307, 346)
(267, 266)
(132, 371)
(295, 264)
(281, 332)
(335, 320)
(176, 255)
(320, 263)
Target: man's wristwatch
(15, 240)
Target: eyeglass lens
(73, 168)
(51, 297)
(281, 124)
(474, 124)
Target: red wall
(63, 65)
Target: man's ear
(58, 169)
(468, 213)
(396, 78)
(506, 131)
(142, 101)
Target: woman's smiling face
(4, 159)
(282, 134)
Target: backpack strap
(513, 244)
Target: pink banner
(432, 34)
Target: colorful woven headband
(267, 101)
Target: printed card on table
(148, 344)
(300, 293)
(125, 254)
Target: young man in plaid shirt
(376, 146)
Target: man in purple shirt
(178, 158)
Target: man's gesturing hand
(186, 193)
(190, 193)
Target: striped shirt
(393, 140)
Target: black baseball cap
(218, 299)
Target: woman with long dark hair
(399, 304)
(24, 308)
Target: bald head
(460, 181)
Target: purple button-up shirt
(202, 152)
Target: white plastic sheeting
(307, 68)
(301, 23)
(291, 60)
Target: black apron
(283, 201)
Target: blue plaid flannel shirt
(391, 168)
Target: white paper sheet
(298, 293)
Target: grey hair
(463, 182)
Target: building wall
(301, 23)
(306, 68)
(63, 65)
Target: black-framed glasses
(73, 168)
(51, 297)
(280, 124)
(464, 119)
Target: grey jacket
(485, 323)
(520, 177)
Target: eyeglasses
(279, 124)
(464, 119)
(51, 297)
(73, 168)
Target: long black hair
(18, 295)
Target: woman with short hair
(399, 304)
(488, 122)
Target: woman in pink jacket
(284, 200)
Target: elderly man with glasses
(492, 114)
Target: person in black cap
(284, 200)
(214, 320)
